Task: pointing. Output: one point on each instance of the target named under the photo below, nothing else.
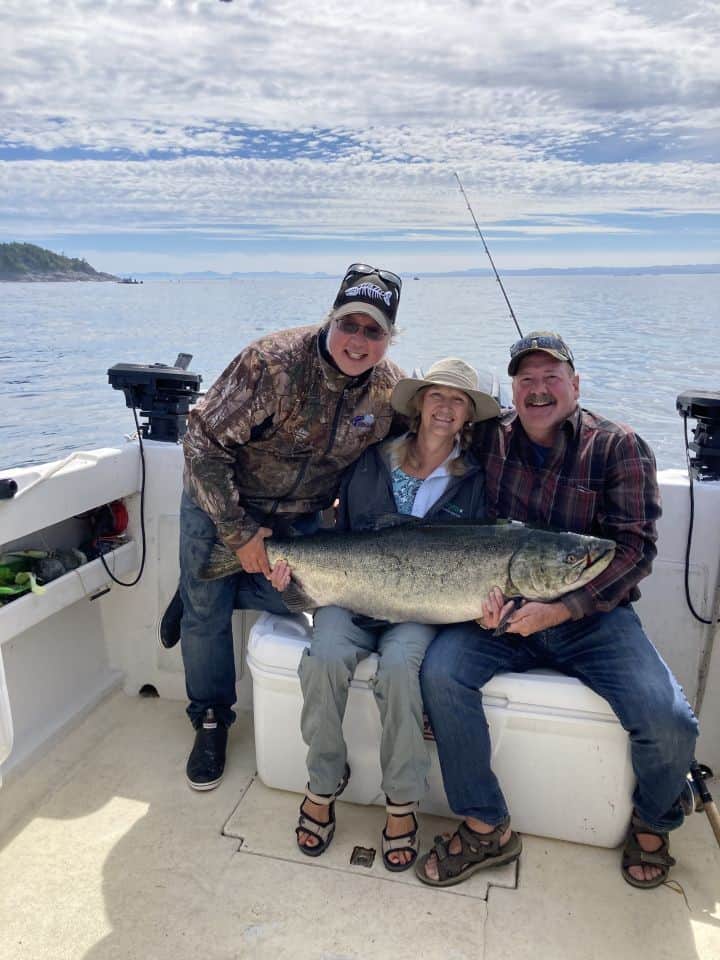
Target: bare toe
(431, 867)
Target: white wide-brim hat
(449, 372)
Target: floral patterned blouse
(405, 489)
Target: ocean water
(638, 342)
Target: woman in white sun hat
(428, 472)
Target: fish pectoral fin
(385, 520)
(501, 628)
(222, 562)
(296, 600)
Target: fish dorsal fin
(296, 600)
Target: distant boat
(416, 278)
(128, 280)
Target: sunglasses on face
(373, 332)
(542, 343)
(365, 270)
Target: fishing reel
(695, 793)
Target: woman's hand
(494, 609)
(253, 556)
(281, 575)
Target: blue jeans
(206, 629)
(610, 653)
(338, 645)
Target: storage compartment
(561, 756)
(86, 581)
(6, 726)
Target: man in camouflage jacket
(264, 452)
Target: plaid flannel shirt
(599, 479)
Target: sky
(192, 135)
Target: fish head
(548, 565)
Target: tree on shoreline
(26, 261)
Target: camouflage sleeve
(243, 397)
(627, 514)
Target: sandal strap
(325, 800)
(641, 826)
(645, 858)
(319, 798)
(401, 809)
(315, 829)
(408, 841)
(441, 848)
(482, 844)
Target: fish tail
(222, 562)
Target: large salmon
(428, 572)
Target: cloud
(304, 119)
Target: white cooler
(561, 756)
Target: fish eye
(572, 558)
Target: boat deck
(106, 853)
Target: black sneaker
(206, 763)
(169, 629)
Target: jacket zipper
(304, 465)
(336, 420)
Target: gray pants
(327, 668)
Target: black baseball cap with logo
(369, 290)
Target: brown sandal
(635, 856)
(477, 851)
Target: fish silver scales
(428, 572)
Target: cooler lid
(546, 691)
(276, 644)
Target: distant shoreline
(59, 278)
(97, 277)
(670, 270)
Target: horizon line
(688, 268)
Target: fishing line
(492, 262)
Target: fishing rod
(699, 797)
(492, 262)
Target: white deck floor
(106, 853)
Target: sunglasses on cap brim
(365, 270)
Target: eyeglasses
(542, 343)
(374, 332)
(365, 270)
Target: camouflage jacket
(273, 434)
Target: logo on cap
(371, 291)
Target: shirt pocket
(574, 506)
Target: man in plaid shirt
(550, 462)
